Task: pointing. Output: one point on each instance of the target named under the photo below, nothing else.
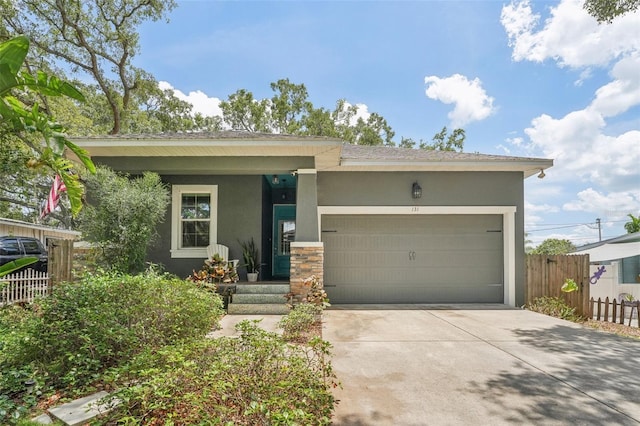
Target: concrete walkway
(478, 364)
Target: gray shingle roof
(382, 153)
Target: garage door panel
(413, 259)
(413, 294)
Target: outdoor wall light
(416, 190)
(275, 180)
(541, 175)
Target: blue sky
(538, 79)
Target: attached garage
(413, 258)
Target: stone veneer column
(307, 258)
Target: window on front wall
(194, 214)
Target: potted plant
(250, 255)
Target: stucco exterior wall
(438, 189)
(239, 218)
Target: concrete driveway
(478, 364)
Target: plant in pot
(250, 255)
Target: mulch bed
(615, 328)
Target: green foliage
(14, 265)
(607, 10)
(633, 225)
(555, 307)
(22, 119)
(255, 379)
(250, 255)
(553, 246)
(297, 324)
(122, 215)
(95, 38)
(102, 321)
(15, 398)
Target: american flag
(54, 196)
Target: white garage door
(413, 259)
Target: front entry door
(284, 232)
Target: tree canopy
(553, 246)
(605, 11)
(633, 225)
(95, 38)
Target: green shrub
(257, 378)
(122, 216)
(102, 320)
(300, 320)
(555, 307)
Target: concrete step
(257, 309)
(82, 410)
(262, 288)
(259, 298)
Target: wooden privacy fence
(604, 310)
(60, 260)
(23, 286)
(545, 275)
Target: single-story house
(614, 266)
(19, 228)
(376, 224)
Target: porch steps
(259, 298)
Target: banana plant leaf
(14, 265)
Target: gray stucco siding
(438, 189)
(239, 218)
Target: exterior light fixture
(416, 190)
(541, 174)
(275, 180)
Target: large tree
(290, 111)
(553, 246)
(605, 11)
(97, 38)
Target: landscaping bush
(555, 307)
(102, 320)
(300, 320)
(256, 379)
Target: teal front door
(284, 232)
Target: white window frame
(176, 235)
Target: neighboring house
(18, 228)
(620, 258)
(377, 224)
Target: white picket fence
(23, 286)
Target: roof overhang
(528, 167)
(324, 151)
(186, 151)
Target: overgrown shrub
(121, 217)
(256, 379)
(88, 326)
(297, 324)
(555, 307)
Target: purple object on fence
(596, 276)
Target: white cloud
(569, 36)
(585, 153)
(202, 103)
(471, 101)
(592, 201)
(623, 92)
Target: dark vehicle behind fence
(12, 248)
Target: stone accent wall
(306, 259)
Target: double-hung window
(193, 219)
